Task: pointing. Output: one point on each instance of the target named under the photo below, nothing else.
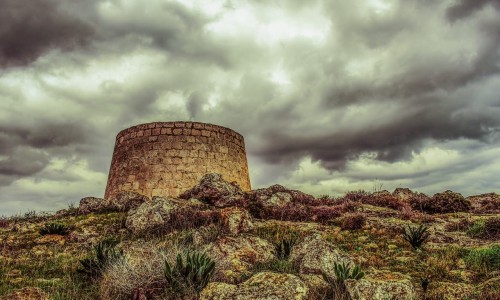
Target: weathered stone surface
(316, 256)
(151, 215)
(403, 193)
(213, 189)
(93, 204)
(236, 255)
(218, 291)
(125, 201)
(449, 291)
(261, 286)
(27, 293)
(279, 196)
(319, 289)
(167, 158)
(236, 220)
(378, 285)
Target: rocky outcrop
(261, 286)
(403, 193)
(213, 189)
(316, 256)
(151, 215)
(125, 201)
(377, 285)
(236, 220)
(236, 255)
(93, 204)
(279, 196)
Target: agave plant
(54, 228)
(416, 236)
(103, 254)
(195, 272)
(284, 246)
(344, 271)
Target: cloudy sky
(331, 95)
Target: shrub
(416, 236)
(54, 228)
(343, 271)
(353, 221)
(445, 202)
(186, 218)
(103, 254)
(324, 213)
(4, 222)
(284, 246)
(484, 259)
(194, 273)
(462, 225)
(140, 269)
(485, 229)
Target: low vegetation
(95, 256)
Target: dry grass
(141, 268)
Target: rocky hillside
(217, 242)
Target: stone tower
(167, 158)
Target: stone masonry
(167, 158)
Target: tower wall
(167, 158)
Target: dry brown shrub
(353, 221)
(141, 268)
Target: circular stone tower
(167, 158)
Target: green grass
(484, 260)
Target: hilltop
(218, 242)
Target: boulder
(26, 293)
(93, 204)
(261, 286)
(125, 201)
(151, 215)
(381, 285)
(403, 193)
(236, 220)
(279, 196)
(213, 189)
(316, 256)
(236, 255)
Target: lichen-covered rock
(316, 256)
(319, 289)
(93, 204)
(236, 220)
(151, 215)
(236, 255)
(279, 196)
(449, 291)
(125, 201)
(381, 285)
(27, 293)
(403, 193)
(261, 286)
(213, 189)
(218, 291)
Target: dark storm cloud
(26, 150)
(465, 8)
(30, 28)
